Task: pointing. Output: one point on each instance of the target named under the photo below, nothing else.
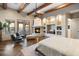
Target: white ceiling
(32, 6)
(49, 7)
(13, 5)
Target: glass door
(20, 28)
(27, 29)
(12, 28)
(23, 28)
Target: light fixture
(44, 21)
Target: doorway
(24, 28)
(73, 28)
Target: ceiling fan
(36, 13)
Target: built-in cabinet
(59, 22)
(54, 24)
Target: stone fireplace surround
(38, 30)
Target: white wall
(64, 25)
(74, 28)
(37, 22)
(69, 34)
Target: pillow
(43, 50)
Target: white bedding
(66, 46)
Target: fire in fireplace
(37, 30)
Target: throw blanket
(47, 51)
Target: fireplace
(37, 30)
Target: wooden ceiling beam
(59, 7)
(4, 5)
(43, 6)
(22, 7)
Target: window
(27, 29)
(20, 29)
(12, 27)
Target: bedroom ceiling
(30, 8)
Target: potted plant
(2, 25)
(8, 24)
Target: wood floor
(7, 48)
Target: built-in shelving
(54, 24)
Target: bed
(63, 46)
